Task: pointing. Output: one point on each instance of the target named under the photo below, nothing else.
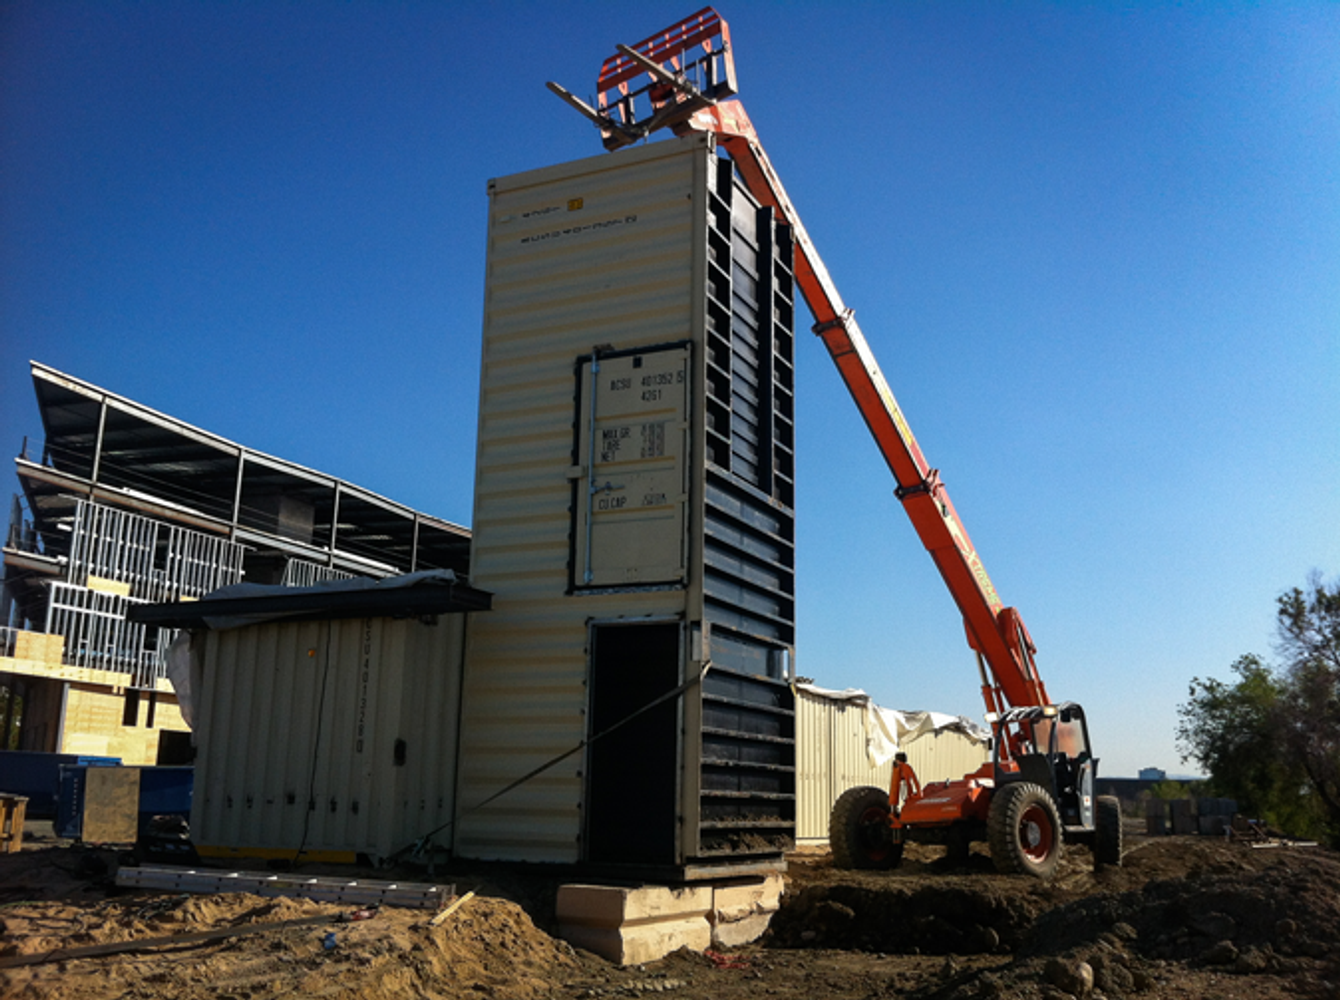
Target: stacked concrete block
(1183, 817)
(631, 926)
(1214, 816)
(740, 913)
(1156, 817)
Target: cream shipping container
(634, 519)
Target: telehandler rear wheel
(1024, 830)
(1107, 831)
(858, 830)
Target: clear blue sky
(1096, 248)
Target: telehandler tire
(1107, 831)
(958, 846)
(858, 830)
(1024, 831)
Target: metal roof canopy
(319, 604)
(118, 451)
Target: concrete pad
(631, 926)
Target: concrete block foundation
(741, 913)
(631, 926)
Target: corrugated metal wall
(831, 757)
(572, 264)
(339, 736)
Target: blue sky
(1096, 248)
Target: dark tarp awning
(400, 597)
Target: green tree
(1271, 739)
(1309, 713)
(1169, 790)
(1228, 728)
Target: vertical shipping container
(634, 519)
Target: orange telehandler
(1037, 789)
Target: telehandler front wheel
(858, 830)
(1024, 830)
(1107, 831)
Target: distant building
(1152, 774)
(124, 505)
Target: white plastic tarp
(179, 676)
(887, 730)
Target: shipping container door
(632, 769)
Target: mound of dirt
(1288, 907)
(1183, 917)
(923, 907)
(1268, 922)
(953, 917)
(489, 947)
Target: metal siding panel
(430, 718)
(350, 743)
(945, 756)
(324, 753)
(380, 812)
(229, 744)
(265, 740)
(262, 718)
(289, 644)
(256, 683)
(813, 768)
(222, 715)
(851, 760)
(842, 760)
(262, 713)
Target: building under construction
(121, 506)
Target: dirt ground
(1183, 918)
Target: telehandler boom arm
(684, 75)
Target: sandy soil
(1183, 918)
